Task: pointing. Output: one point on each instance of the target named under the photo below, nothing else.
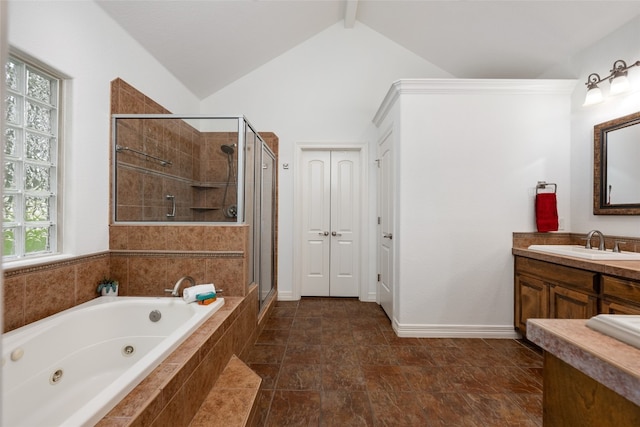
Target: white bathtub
(86, 348)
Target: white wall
(326, 89)
(622, 44)
(78, 39)
(468, 160)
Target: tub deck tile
(167, 395)
(233, 399)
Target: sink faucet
(600, 239)
(176, 288)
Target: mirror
(616, 171)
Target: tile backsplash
(32, 293)
(523, 240)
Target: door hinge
(378, 162)
(379, 221)
(378, 277)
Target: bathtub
(71, 368)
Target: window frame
(54, 164)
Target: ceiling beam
(350, 11)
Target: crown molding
(470, 87)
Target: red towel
(546, 212)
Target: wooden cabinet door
(531, 301)
(569, 304)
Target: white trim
(286, 296)
(36, 260)
(362, 148)
(470, 86)
(371, 297)
(455, 331)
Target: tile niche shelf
(197, 185)
(206, 185)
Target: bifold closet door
(330, 214)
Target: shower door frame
(240, 183)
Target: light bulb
(594, 96)
(619, 84)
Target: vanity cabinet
(532, 300)
(620, 296)
(544, 290)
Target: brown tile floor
(337, 362)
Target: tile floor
(337, 362)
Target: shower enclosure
(176, 169)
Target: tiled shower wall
(144, 259)
(143, 182)
(147, 259)
(192, 158)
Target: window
(30, 146)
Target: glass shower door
(267, 223)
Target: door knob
(387, 236)
(333, 233)
(325, 233)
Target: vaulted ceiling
(208, 44)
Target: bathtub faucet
(176, 289)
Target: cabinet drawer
(570, 304)
(626, 290)
(582, 280)
(612, 307)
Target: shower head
(227, 149)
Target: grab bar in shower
(172, 214)
(163, 162)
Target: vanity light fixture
(617, 79)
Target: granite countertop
(613, 363)
(624, 269)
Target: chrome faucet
(600, 239)
(176, 288)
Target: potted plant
(108, 287)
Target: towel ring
(542, 185)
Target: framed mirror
(616, 166)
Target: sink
(623, 327)
(582, 252)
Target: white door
(330, 222)
(385, 229)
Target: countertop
(613, 363)
(624, 269)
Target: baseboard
(286, 296)
(455, 331)
(370, 297)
